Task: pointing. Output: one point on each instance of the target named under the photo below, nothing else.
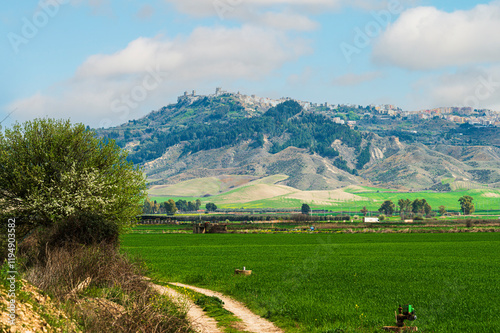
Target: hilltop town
(459, 115)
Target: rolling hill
(213, 145)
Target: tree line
(170, 207)
(407, 208)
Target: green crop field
(348, 199)
(340, 282)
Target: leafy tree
(186, 206)
(364, 211)
(427, 209)
(305, 209)
(466, 204)
(387, 208)
(156, 208)
(169, 207)
(404, 207)
(181, 205)
(51, 170)
(418, 206)
(148, 206)
(151, 207)
(211, 207)
(442, 210)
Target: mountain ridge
(229, 135)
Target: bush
(381, 217)
(115, 297)
(418, 217)
(53, 170)
(87, 229)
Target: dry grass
(104, 290)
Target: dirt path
(199, 320)
(251, 322)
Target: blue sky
(103, 62)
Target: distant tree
(148, 206)
(211, 207)
(467, 205)
(191, 206)
(259, 141)
(364, 211)
(198, 204)
(156, 208)
(169, 207)
(387, 208)
(404, 207)
(442, 210)
(427, 209)
(305, 209)
(418, 206)
(182, 205)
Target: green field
(350, 199)
(340, 282)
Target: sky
(104, 62)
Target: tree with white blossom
(52, 170)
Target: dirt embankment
(33, 312)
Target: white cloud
(352, 79)
(427, 38)
(282, 14)
(211, 8)
(285, 21)
(218, 7)
(477, 87)
(151, 71)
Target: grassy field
(263, 194)
(339, 282)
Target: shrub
(116, 297)
(53, 170)
(418, 217)
(381, 217)
(86, 229)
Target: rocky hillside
(35, 312)
(217, 136)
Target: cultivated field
(340, 282)
(266, 193)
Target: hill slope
(228, 142)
